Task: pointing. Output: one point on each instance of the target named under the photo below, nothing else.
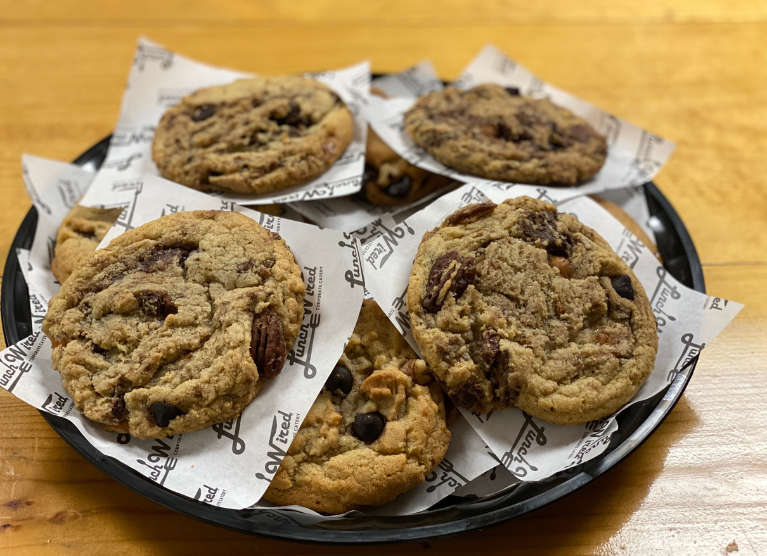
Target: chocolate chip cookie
(495, 133)
(376, 429)
(78, 236)
(389, 180)
(176, 324)
(517, 305)
(253, 136)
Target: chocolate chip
(490, 347)
(505, 133)
(460, 271)
(164, 413)
(203, 112)
(293, 117)
(513, 91)
(156, 304)
(340, 379)
(623, 287)
(369, 426)
(267, 344)
(467, 212)
(370, 174)
(161, 259)
(540, 228)
(118, 408)
(400, 189)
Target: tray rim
(226, 518)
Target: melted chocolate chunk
(623, 287)
(203, 112)
(156, 304)
(293, 117)
(164, 413)
(400, 189)
(368, 426)
(340, 379)
(161, 259)
(267, 344)
(513, 91)
(460, 271)
(490, 347)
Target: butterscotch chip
(176, 324)
(495, 133)
(517, 305)
(253, 135)
(375, 431)
(78, 236)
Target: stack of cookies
(179, 323)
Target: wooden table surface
(694, 71)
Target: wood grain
(692, 71)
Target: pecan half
(467, 212)
(267, 344)
(451, 268)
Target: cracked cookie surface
(176, 324)
(495, 133)
(253, 135)
(517, 305)
(375, 431)
(79, 234)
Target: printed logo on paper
(279, 441)
(231, 431)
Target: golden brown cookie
(176, 324)
(495, 133)
(253, 136)
(375, 431)
(78, 236)
(517, 305)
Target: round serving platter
(452, 515)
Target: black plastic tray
(452, 515)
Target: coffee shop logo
(399, 310)
(210, 495)
(664, 292)
(16, 361)
(645, 164)
(301, 354)
(324, 190)
(127, 136)
(355, 276)
(160, 462)
(279, 441)
(69, 191)
(630, 248)
(447, 476)
(122, 164)
(146, 54)
(597, 434)
(379, 253)
(55, 404)
(690, 350)
(231, 430)
(514, 460)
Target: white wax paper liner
(159, 79)
(235, 459)
(156, 197)
(530, 448)
(634, 155)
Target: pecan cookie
(495, 133)
(376, 429)
(253, 136)
(517, 305)
(390, 180)
(78, 236)
(176, 324)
